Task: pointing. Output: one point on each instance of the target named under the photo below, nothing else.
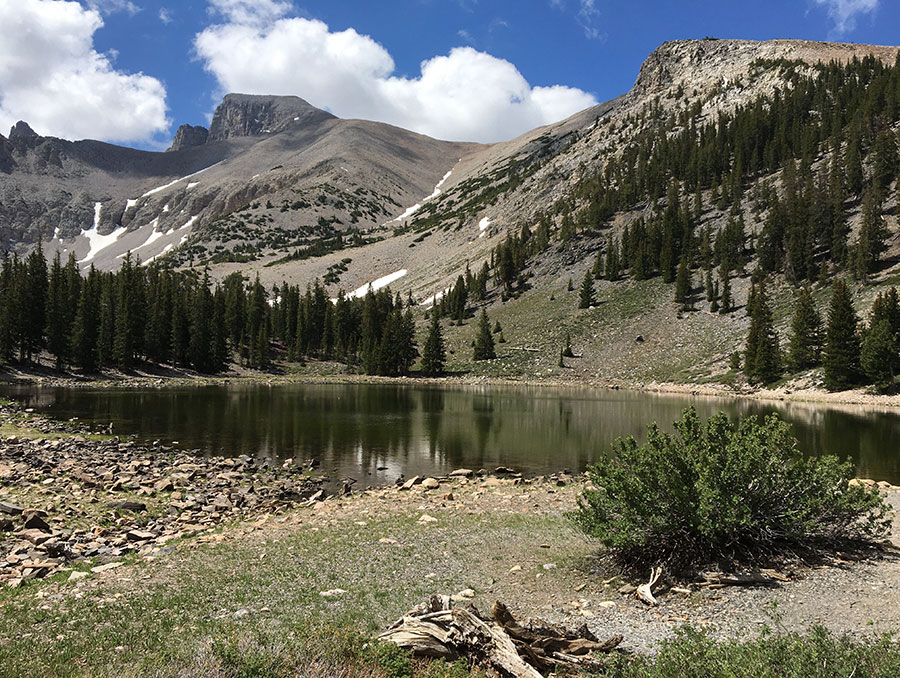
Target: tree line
(850, 352)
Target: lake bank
(333, 374)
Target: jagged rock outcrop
(189, 136)
(22, 130)
(244, 115)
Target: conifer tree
(613, 267)
(484, 341)
(878, 354)
(683, 284)
(762, 358)
(726, 304)
(708, 283)
(853, 165)
(107, 329)
(586, 295)
(806, 333)
(85, 329)
(886, 162)
(873, 235)
(597, 271)
(842, 347)
(434, 353)
(58, 329)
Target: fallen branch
(644, 591)
(436, 630)
(755, 578)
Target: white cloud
(110, 6)
(844, 12)
(465, 95)
(51, 76)
(165, 15)
(252, 12)
(587, 16)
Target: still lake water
(357, 429)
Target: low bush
(694, 655)
(721, 494)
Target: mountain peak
(189, 136)
(243, 115)
(22, 130)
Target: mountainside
(321, 175)
(726, 158)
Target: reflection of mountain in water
(355, 429)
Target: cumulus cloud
(165, 16)
(844, 12)
(464, 95)
(51, 76)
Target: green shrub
(694, 655)
(715, 493)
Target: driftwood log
(434, 629)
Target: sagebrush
(714, 493)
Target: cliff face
(245, 115)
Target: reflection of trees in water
(433, 429)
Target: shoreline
(854, 397)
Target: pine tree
(58, 329)
(806, 333)
(567, 349)
(484, 341)
(434, 353)
(726, 304)
(878, 355)
(842, 346)
(873, 235)
(33, 298)
(762, 358)
(853, 165)
(886, 162)
(85, 329)
(107, 329)
(613, 267)
(586, 295)
(597, 271)
(683, 284)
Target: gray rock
(22, 130)
(189, 136)
(10, 509)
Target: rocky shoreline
(74, 502)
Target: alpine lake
(376, 432)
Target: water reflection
(376, 432)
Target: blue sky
(130, 71)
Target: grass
(184, 614)
(22, 431)
(818, 653)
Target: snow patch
(483, 225)
(98, 242)
(166, 207)
(190, 222)
(165, 249)
(431, 301)
(415, 208)
(384, 281)
(130, 203)
(172, 183)
(192, 184)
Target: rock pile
(74, 500)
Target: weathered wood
(754, 578)
(645, 592)
(512, 649)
